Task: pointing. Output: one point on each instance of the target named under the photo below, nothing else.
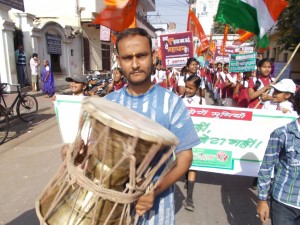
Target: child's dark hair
(190, 60)
(118, 69)
(196, 81)
(263, 61)
(260, 63)
(183, 71)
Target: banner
(68, 110)
(176, 49)
(242, 62)
(233, 140)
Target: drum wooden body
(99, 182)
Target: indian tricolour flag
(256, 16)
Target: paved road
(31, 156)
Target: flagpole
(281, 72)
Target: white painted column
(8, 72)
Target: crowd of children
(251, 89)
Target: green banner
(242, 62)
(212, 158)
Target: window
(285, 57)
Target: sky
(170, 11)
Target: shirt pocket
(293, 153)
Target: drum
(111, 164)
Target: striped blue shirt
(282, 154)
(166, 108)
(21, 60)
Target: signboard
(242, 62)
(176, 49)
(16, 4)
(224, 57)
(233, 140)
(53, 44)
(104, 33)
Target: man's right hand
(263, 211)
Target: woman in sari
(48, 80)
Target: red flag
(113, 39)
(194, 25)
(118, 15)
(223, 46)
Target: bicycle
(4, 124)
(26, 107)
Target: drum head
(128, 121)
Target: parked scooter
(98, 83)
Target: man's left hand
(145, 203)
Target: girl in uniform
(260, 84)
(191, 97)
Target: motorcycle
(98, 83)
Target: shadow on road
(17, 127)
(179, 198)
(28, 217)
(239, 201)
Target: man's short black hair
(133, 32)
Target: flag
(244, 36)
(194, 25)
(117, 15)
(212, 48)
(223, 46)
(113, 39)
(256, 16)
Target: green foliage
(218, 28)
(288, 26)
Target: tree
(288, 26)
(218, 28)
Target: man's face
(21, 48)
(135, 59)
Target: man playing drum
(134, 50)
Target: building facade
(61, 33)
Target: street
(31, 156)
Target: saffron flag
(223, 46)
(256, 16)
(117, 15)
(244, 36)
(195, 27)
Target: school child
(78, 84)
(118, 79)
(260, 84)
(191, 69)
(191, 98)
(240, 92)
(283, 96)
(217, 83)
(229, 82)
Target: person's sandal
(189, 206)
